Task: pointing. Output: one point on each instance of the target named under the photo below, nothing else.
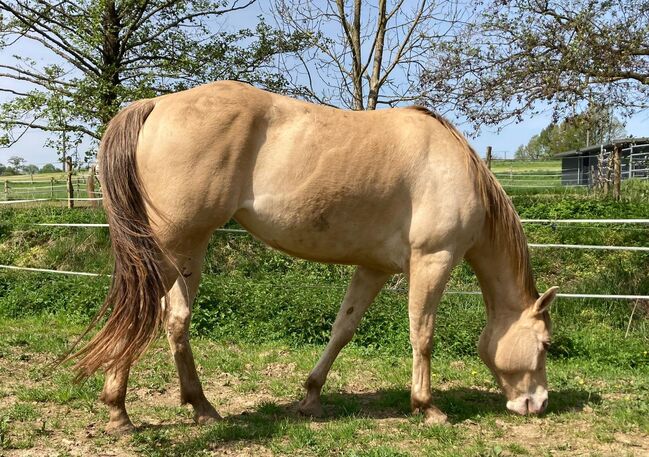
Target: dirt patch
(279, 370)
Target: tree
(524, 56)
(363, 54)
(109, 52)
(30, 169)
(16, 163)
(48, 168)
(595, 126)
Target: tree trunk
(111, 62)
(375, 79)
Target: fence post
(52, 188)
(68, 163)
(609, 169)
(489, 157)
(90, 186)
(6, 189)
(617, 171)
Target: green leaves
(105, 54)
(523, 57)
(594, 126)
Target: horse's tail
(137, 283)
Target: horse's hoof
(117, 428)
(434, 416)
(207, 417)
(311, 409)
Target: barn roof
(625, 142)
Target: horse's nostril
(544, 405)
(527, 405)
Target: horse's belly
(335, 233)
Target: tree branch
(47, 128)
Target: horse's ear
(543, 303)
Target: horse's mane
(502, 221)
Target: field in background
(40, 186)
(261, 320)
(549, 166)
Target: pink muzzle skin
(529, 404)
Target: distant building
(584, 167)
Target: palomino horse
(395, 190)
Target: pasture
(42, 186)
(261, 320)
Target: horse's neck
(503, 290)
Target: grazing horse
(394, 190)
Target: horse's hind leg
(188, 264)
(427, 277)
(179, 309)
(362, 290)
(114, 396)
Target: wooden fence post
(617, 171)
(68, 163)
(6, 189)
(489, 157)
(52, 188)
(90, 186)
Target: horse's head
(515, 348)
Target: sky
(504, 141)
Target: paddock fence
(642, 224)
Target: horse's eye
(546, 345)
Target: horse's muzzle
(529, 404)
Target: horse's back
(314, 181)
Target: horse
(398, 190)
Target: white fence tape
(525, 221)
(10, 202)
(452, 292)
(590, 247)
(532, 245)
(54, 224)
(45, 270)
(585, 221)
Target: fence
(641, 222)
(602, 172)
(63, 187)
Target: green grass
(47, 185)
(594, 408)
(260, 322)
(500, 165)
(251, 293)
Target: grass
(595, 409)
(500, 165)
(45, 185)
(259, 325)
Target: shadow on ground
(270, 420)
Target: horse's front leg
(427, 276)
(362, 290)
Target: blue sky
(504, 141)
